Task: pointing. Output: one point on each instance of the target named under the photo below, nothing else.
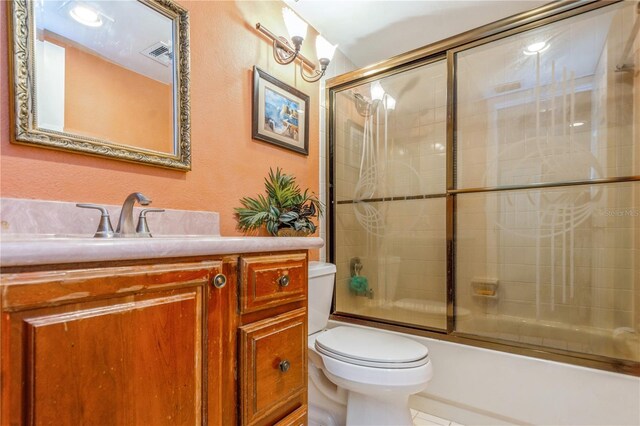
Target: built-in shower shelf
(485, 288)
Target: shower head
(363, 105)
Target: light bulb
(377, 92)
(324, 49)
(537, 47)
(389, 102)
(295, 25)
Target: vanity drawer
(273, 367)
(297, 418)
(268, 281)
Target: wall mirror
(105, 78)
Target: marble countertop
(44, 232)
(21, 250)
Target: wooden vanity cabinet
(141, 344)
(273, 339)
(156, 342)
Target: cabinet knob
(219, 281)
(284, 365)
(283, 280)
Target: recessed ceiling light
(85, 15)
(577, 124)
(534, 48)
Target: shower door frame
(447, 50)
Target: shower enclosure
(486, 189)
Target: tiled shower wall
(585, 279)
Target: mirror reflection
(105, 70)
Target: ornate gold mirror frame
(23, 115)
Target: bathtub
(622, 343)
(480, 386)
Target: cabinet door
(273, 367)
(130, 348)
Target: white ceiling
(128, 28)
(369, 31)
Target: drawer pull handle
(284, 280)
(219, 281)
(284, 365)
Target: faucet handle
(105, 230)
(142, 229)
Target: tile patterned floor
(424, 419)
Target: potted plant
(285, 211)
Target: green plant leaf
(284, 206)
(272, 228)
(289, 217)
(274, 213)
(281, 189)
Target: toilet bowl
(358, 376)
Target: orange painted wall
(115, 103)
(227, 163)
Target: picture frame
(280, 113)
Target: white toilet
(358, 376)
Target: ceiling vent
(159, 52)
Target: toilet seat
(370, 348)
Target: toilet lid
(371, 348)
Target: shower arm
(623, 66)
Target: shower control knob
(284, 280)
(219, 281)
(284, 365)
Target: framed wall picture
(280, 113)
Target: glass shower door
(547, 235)
(390, 208)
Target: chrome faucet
(125, 223)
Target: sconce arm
(283, 53)
(317, 74)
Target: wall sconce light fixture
(285, 54)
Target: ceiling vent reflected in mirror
(159, 52)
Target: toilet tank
(321, 279)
